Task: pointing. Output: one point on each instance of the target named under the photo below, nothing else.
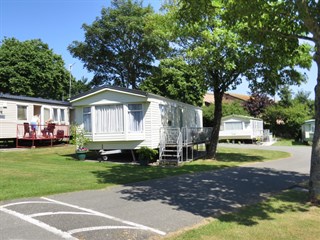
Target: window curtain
(87, 119)
(22, 113)
(233, 126)
(55, 115)
(135, 117)
(46, 114)
(109, 119)
(62, 115)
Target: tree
(286, 121)
(227, 55)
(80, 86)
(30, 68)
(257, 104)
(303, 98)
(285, 95)
(289, 20)
(122, 45)
(177, 80)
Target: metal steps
(170, 155)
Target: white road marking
(101, 228)
(59, 213)
(20, 203)
(142, 227)
(84, 211)
(46, 227)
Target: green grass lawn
(287, 216)
(44, 171)
(288, 142)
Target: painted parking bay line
(101, 228)
(136, 225)
(40, 224)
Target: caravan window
(233, 126)
(135, 117)
(55, 114)
(22, 112)
(87, 119)
(62, 115)
(109, 119)
(46, 112)
(312, 127)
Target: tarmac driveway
(151, 208)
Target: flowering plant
(82, 149)
(79, 138)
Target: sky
(58, 23)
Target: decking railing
(183, 138)
(41, 133)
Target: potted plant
(79, 140)
(146, 154)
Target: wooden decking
(27, 137)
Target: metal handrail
(179, 147)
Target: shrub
(146, 155)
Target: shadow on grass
(126, 173)
(238, 157)
(290, 201)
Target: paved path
(151, 208)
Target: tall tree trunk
(314, 182)
(212, 148)
(312, 24)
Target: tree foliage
(177, 80)
(224, 49)
(289, 20)
(121, 45)
(289, 113)
(30, 68)
(286, 121)
(257, 104)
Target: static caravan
(121, 118)
(236, 127)
(17, 110)
(307, 130)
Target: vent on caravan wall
(3, 104)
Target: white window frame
(25, 112)
(55, 114)
(227, 124)
(118, 119)
(87, 116)
(133, 111)
(62, 117)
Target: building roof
(209, 97)
(125, 90)
(115, 88)
(240, 116)
(310, 121)
(239, 96)
(33, 99)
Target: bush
(78, 138)
(146, 155)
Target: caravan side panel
(8, 124)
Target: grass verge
(38, 172)
(288, 142)
(285, 216)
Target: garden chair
(60, 135)
(26, 129)
(48, 131)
